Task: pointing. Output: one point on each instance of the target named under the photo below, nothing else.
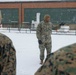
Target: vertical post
(75, 30)
(0, 18)
(20, 25)
(21, 14)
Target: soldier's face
(47, 19)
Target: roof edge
(32, 1)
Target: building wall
(12, 6)
(50, 5)
(22, 6)
(44, 7)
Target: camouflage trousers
(44, 46)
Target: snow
(27, 50)
(31, 0)
(25, 0)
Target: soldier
(61, 62)
(7, 56)
(43, 33)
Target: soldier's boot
(41, 62)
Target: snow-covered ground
(27, 50)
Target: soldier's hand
(39, 41)
(62, 24)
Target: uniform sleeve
(12, 59)
(61, 62)
(55, 27)
(9, 60)
(38, 31)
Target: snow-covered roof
(25, 0)
(31, 0)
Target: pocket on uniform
(43, 38)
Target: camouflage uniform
(43, 33)
(7, 56)
(61, 62)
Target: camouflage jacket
(44, 31)
(7, 56)
(61, 62)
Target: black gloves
(1, 69)
(39, 41)
(62, 24)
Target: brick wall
(23, 5)
(50, 5)
(12, 5)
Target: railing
(30, 30)
(26, 28)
